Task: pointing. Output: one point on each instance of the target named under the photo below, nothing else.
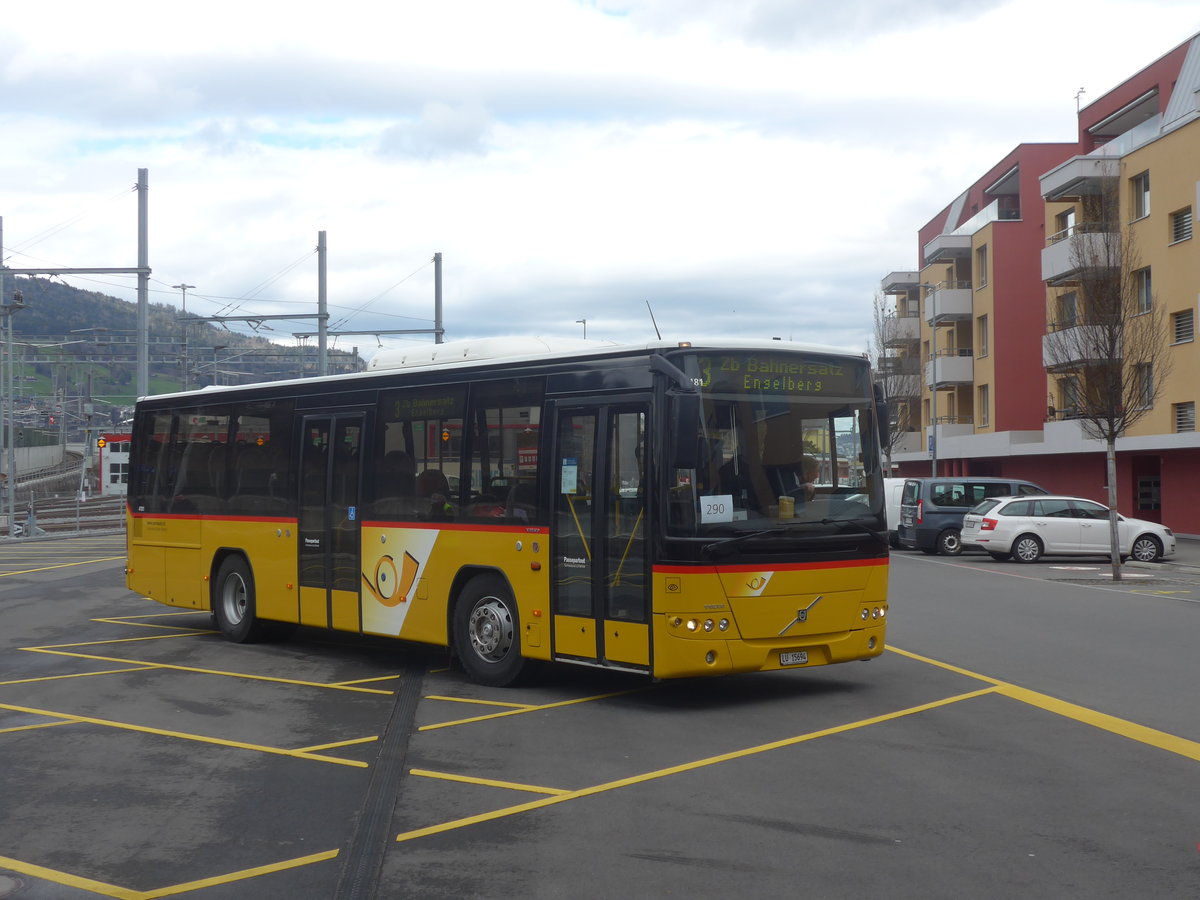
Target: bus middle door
(601, 593)
(330, 478)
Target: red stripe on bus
(771, 567)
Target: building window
(1064, 225)
(1144, 289)
(981, 339)
(1068, 310)
(1144, 376)
(1184, 326)
(1140, 186)
(1185, 416)
(1069, 394)
(981, 405)
(981, 266)
(1181, 225)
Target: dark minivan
(932, 509)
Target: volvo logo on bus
(801, 615)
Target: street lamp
(582, 322)
(933, 419)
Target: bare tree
(897, 375)
(1107, 342)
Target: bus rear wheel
(487, 635)
(233, 601)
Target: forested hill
(63, 325)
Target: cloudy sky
(748, 167)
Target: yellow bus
(672, 509)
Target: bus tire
(487, 632)
(233, 601)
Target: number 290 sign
(716, 509)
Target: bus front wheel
(233, 601)
(487, 634)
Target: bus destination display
(758, 373)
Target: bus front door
(601, 594)
(330, 477)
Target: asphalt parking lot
(142, 756)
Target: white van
(893, 490)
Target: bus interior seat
(521, 504)
(258, 484)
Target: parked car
(932, 509)
(1027, 528)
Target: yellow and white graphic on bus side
(754, 584)
(393, 561)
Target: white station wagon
(1027, 528)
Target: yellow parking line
(684, 767)
(184, 736)
(349, 743)
(237, 876)
(1152, 737)
(77, 675)
(82, 562)
(526, 709)
(1131, 730)
(129, 640)
(198, 671)
(487, 782)
(366, 680)
(40, 725)
(479, 702)
(123, 621)
(68, 880)
(120, 893)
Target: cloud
(440, 129)
(793, 23)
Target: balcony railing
(952, 301)
(1078, 346)
(1070, 251)
(955, 365)
(901, 330)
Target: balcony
(900, 282)
(951, 367)
(1090, 245)
(1078, 177)
(946, 247)
(907, 442)
(901, 331)
(899, 365)
(1073, 347)
(955, 426)
(951, 301)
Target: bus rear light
(988, 525)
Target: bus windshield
(783, 440)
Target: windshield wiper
(863, 528)
(794, 528)
(750, 535)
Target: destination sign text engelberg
(775, 374)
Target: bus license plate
(793, 657)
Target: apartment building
(994, 320)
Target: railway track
(56, 515)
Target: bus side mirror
(687, 430)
